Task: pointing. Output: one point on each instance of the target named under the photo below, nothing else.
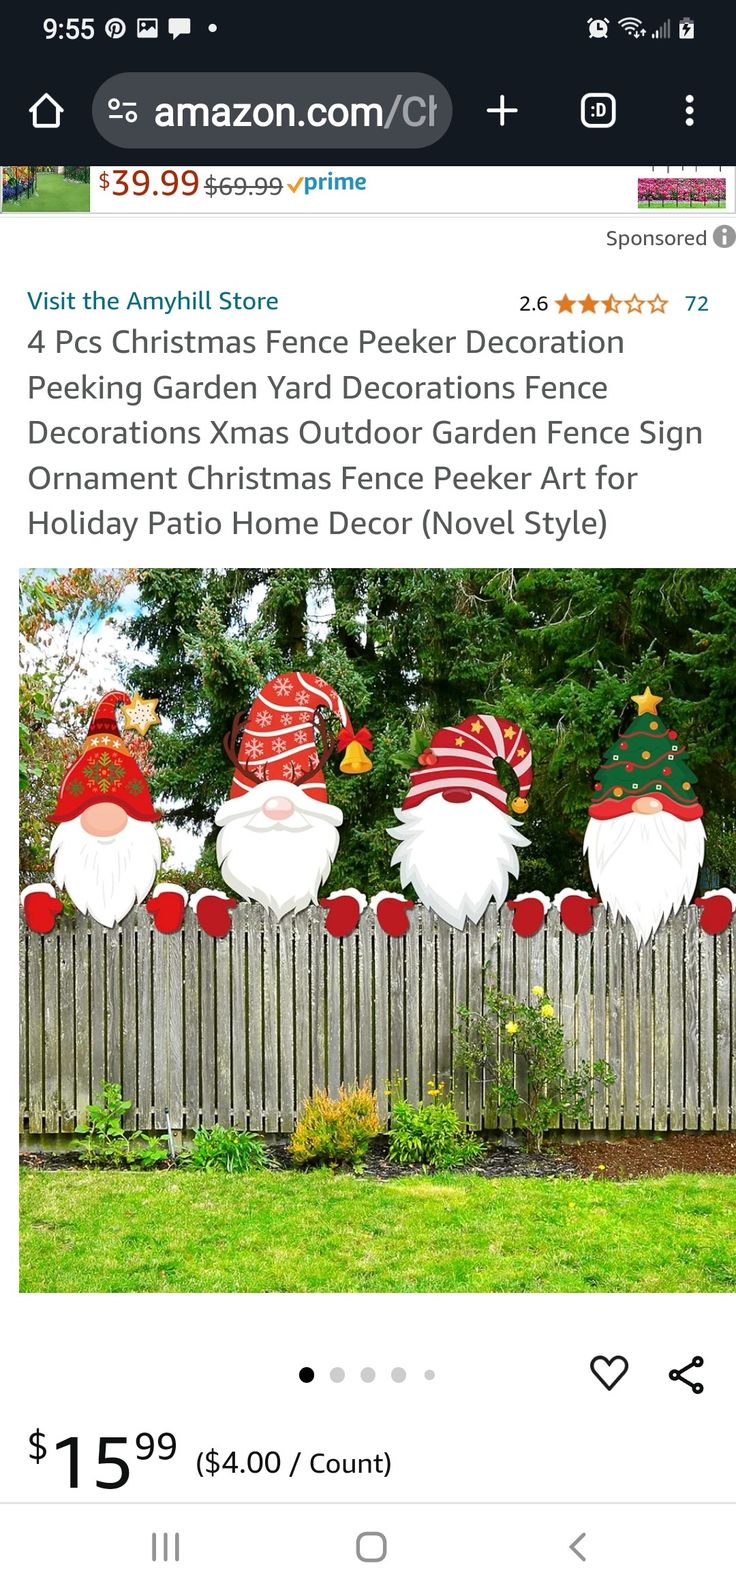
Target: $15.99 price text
(116, 1454)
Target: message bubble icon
(179, 25)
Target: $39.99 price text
(114, 1452)
(124, 183)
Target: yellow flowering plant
(519, 1050)
(430, 1134)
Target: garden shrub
(232, 1150)
(530, 1034)
(335, 1132)
(104, 1143)
(430, 1134)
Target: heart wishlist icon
(609, 1370)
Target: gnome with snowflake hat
(458, 842)
(105, 848)
(279, 834)
(645, 839)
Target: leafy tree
(59, 616)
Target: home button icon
(371, 1547)
(46, 111)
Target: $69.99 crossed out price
(148, 1447)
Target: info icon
(598, 110)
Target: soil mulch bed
(631, 1157)
(638, 1157)
(497, 1162)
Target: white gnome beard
(644, 866)
(457, 856)
(281, 864)
(106, 876)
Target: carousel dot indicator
(429, 1375)
(337, 1375)
(368, 1374)
(306, 1375)
(398, 1374)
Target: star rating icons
(611, 306)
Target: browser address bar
(268, 110)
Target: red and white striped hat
(463, 757)
(278, 736)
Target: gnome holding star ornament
(105, 848)
(645, 840)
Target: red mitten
(392, 912)
(167, 905)
(213, 911)
(41, 908)
(716, 910)
(343, 909)
(529, 910)
(576, 910)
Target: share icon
(677, 1374)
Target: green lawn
(102, 1231)
(53, 193)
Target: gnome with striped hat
(457, 836)
(279, 834)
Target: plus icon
(502, 110)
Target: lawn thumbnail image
(681, 193)
(377, 931)
(30, 190)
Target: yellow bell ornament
(357, 745)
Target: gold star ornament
(140, 714)
(647, 703)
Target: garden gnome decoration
(105, 848)
(278, 833)
(457, 839)
(645, 838)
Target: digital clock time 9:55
(69, 28)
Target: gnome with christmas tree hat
(645, 839)
(105, 848)
(278, 832)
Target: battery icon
(686, 28)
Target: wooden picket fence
(241, 1030)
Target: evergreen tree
(558, 651)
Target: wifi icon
(633, 26)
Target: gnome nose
(457, 794)
(104, 819)
(647, 805)
(277, 808)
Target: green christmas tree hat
(648, 761)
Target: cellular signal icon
(633, 26)
(664, 31)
